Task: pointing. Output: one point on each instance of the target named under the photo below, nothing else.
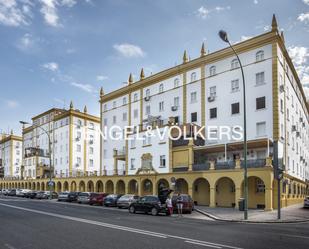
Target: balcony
(201, 166)
(255, 163)
(225, 165)
(180, 169)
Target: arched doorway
(256, 192)
(133, 187)
(120, 187)
(109, 187)
(147, 187)
(38, 186)
(181, 186)
(225, 192)
(33, 186)
(65, 186)
(162, 184)
(22, 185)
(81, 186)
(99, 186)
(90, 186)
(73, 186)
(201, 192)
(42, 186)
(59, 189)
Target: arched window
(234, 64)
(176, 83)
(193, 77)
(161, 88)
(212, 70)
(259, 55)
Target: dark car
(72, 196)
(97, 198)
(111, 200)
(148, 204)
(84, 198)
(12, 192)
(188, 203)
(126, 200)
(31, 194)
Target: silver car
(126, 200)
(83, 198)
(63, 196)
(306, 202)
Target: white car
(306, 202)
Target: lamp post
(224, 37)
(50, 157)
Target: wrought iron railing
(225, 165)
(254, 163)
(201, 166)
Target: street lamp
(224, 37)
(50, 158)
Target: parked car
(188, 203)
(148, 204)
(5, 191)
(306, 202)
(22, 192)
(32, 194)
(126, 200)
(12, 192)
(111, 200)
(45, 195)
(72, 196)
(97, 198)
(83, 198)
(63, 196)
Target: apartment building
(10, 156)
(74, 141)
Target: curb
(249, 221)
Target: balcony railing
(254, 163)
(180, 169)
(201, 166)
(225, 165)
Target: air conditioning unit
(147, 98)
(77, 165)
(78, 126)
(297, 134)
(293, 127)
(211, 98)
(77, 139)
(301, 119)
(301, 158)
(91, 142)
(281, 88)
(174, 108)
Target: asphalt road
(26, 224)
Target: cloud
(303, 17)
(129, 50)
(25, 42)
(306, 2)
(70, 51)
(204, 12)
(101, 77)
(68, 3)
(12, 14)
(85, 87)
(256, 2)
(12, 103)
(52, 66)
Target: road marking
(295, 236)
(202, 244)
(122, 228)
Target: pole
(50, 167)
(278, 173)
(245, 138)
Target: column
(268, 199)
(212, 197)
(237, 196)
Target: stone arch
(201, 192)
(109, 187)
(42, 186)
(38, 186)
(22, 185)
(99, 186)
(65, 186)
(18, 185)
(90, 186)
(81, 186)
(59, 187)
(73, 186)
(225, 192)
(147, 187)
(181, 186)
(133, 187)
(26, 185)
(32, 185)
(162, 183)
(47, 187)
(120, 187)
(256, 192)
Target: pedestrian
(179, 202)
(169, 205)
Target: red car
(188, 203)
(97, 198)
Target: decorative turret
(185, 57)
(282, 36)
(85, 109)
(203, 52)
(101, 92)
(130, 79)
(274, 25)
(71, 105)
(142, 75)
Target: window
(162, 161)
(234, 64)
(148, 93)
(176, 83)
(124, 101)
(135, 113)
(281, 105)
(79, 134)
(193, 97)
(260, 103)
(114, 119)
(114, 104)
(132, 163)
(212, 70)
(78, 148)
(161, 88)
(133, 143)
(176, 101)
(144, 140)
(235, 108)
(79, 160)
(235, 85)
(193, 116)
(90, 162)
(193, 77)
(148, 110)
(91, 150)
(135, 96)
(213, 112)
(213, 91)
(161, 106)
(259, 55)
(261, 129)
(124, 116)
(260, 78)
(105, 122)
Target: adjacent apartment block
(208, 92)
(10, 156)
(74, 140)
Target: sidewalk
(294, 213)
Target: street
(48, 224)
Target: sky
(55, 51)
